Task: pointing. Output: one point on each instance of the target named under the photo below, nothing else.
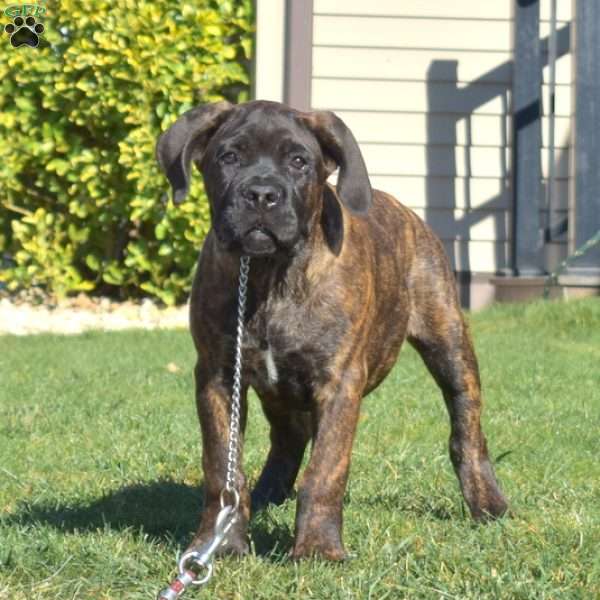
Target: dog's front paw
(489, 507)
(319, 551)
(320, 548)
(319, 536)
(481, 491)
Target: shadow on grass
(164, 511)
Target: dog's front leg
(321, 491)
(213, 401)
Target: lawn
(101, 482)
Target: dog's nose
(263, 196)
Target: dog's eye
(229, 158)
(298, 163)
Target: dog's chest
(283, 357)
(262, 359)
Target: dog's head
(265, 166)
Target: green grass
(100, 477)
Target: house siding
(270, 49)
(425, 87)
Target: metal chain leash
(234, 420)
(199, 560)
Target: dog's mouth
(259, 241)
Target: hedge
(82, 206)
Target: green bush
(82, 203)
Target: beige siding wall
(269, 60)
(425, 86)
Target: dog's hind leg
(291, 431)
(441, 337)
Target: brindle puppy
(339, 278)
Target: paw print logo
(24, 32)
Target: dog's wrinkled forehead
(266, 129)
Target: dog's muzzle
(262, 196)
(263, 202)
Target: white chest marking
(271, 366)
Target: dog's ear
(332, 221)
(186, 139)
(341, 149)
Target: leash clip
(198, 560)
